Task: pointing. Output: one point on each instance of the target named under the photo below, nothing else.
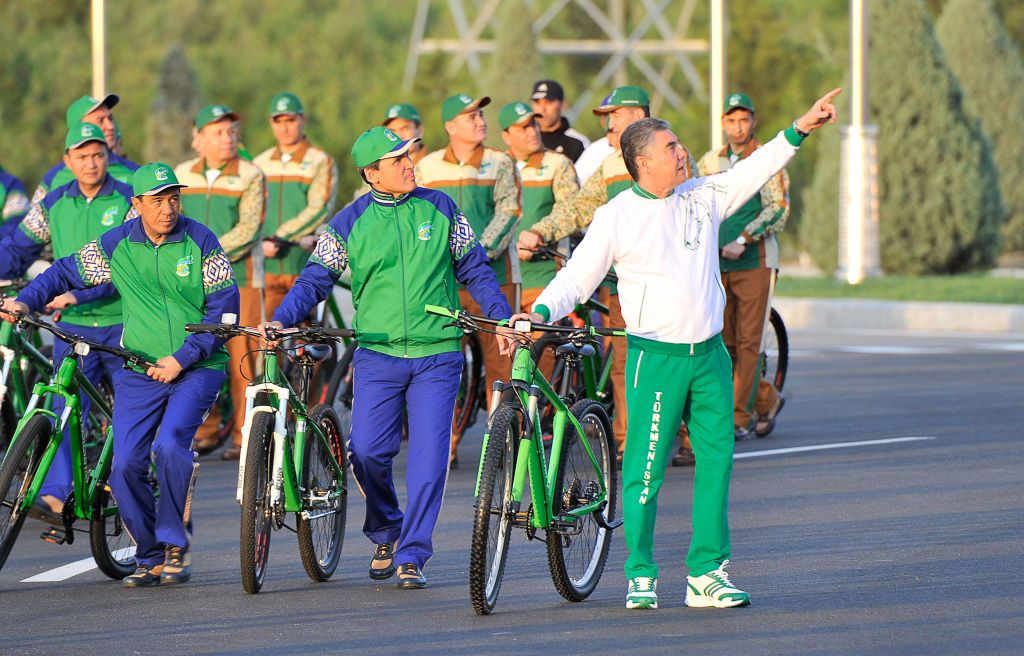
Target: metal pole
(717, 39)
(99, 49)
(858, 170)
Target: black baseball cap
(548, 89)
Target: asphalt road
(886, 548)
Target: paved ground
(896, 548)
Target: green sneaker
(642, 593)
(714, 590)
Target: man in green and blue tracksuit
(662, 238)
(97, 111)
(13, 202)
(407, 247)
(66, 219)
(169, 271)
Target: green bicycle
(23, 361)
(293, 459)
(572, 495)
(37, 438)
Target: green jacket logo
(423, 232)
(108, 216)
(184, 267)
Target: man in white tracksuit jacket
(662, 239)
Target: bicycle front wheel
(492, 515)
(112, 546)
(257, 513)
(321, 524)
(16, 474)
(577, 552)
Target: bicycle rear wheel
(321, 525)
(577, 554)
(339, 391)
(776, 351)
(16, 474)
(257, 513)
(113, 548)
(467, 402)
(492, 518)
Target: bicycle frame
(288, 457)
(66, 384)
(531, 462)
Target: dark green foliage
(991, 72)
(177, 99)
(940, 209)
(514, 67)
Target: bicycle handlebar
(468, 322)
(131, 359)
(228, 330)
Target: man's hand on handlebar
(308, 243)
(166, 369)
(270, 248)
(12, 307)
(528, 242)
(270, 325)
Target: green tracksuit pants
(666, 383)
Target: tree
(819, 230)
(515, 64)
(989, 67)
(177, 99)
(940, 208)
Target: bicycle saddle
(584, 351)
(316, 352)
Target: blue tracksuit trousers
(157, 418)
(96, 367)
(427, 387)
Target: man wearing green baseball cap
(302, 182)
(548, 179)
(749, 263)
(226, 193)
(178, 260)
(98, 112)
(65, 219)
(621, 108)
(404, 120)
(406, 246)
(484, 183)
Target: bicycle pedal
(54, 535)
(523, 519)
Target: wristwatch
(741, 240)
(799, 132)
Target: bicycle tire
(492, 521)
(339, 391)
(16, 473)
(8, 413)
(776, 354)
(322, 538)
(109, 540)
(575, 485)
(257, 514)
(468, 399)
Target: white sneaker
(714, 590)
(642, 593)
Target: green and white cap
(153, 178)
(81, 134)
(379, 143)
(739, 101)
(214, 113)
(78, 109)
(401, 110)
(286, 103)
(628, 96)
(460, 103)
(513, 113)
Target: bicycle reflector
(229, 318)
(82, 349)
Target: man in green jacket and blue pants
(407, 247)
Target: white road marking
(896, 350)
(65, 572)
(1004, 346)
(822, 447)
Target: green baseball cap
(378, 143)
(81, 134)
(628, 96)
(286, 103)
(153, 178)
(401, 110)
(78, 109)
(739, 101)
(214, 113)
(517, 112)
(459, 103)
